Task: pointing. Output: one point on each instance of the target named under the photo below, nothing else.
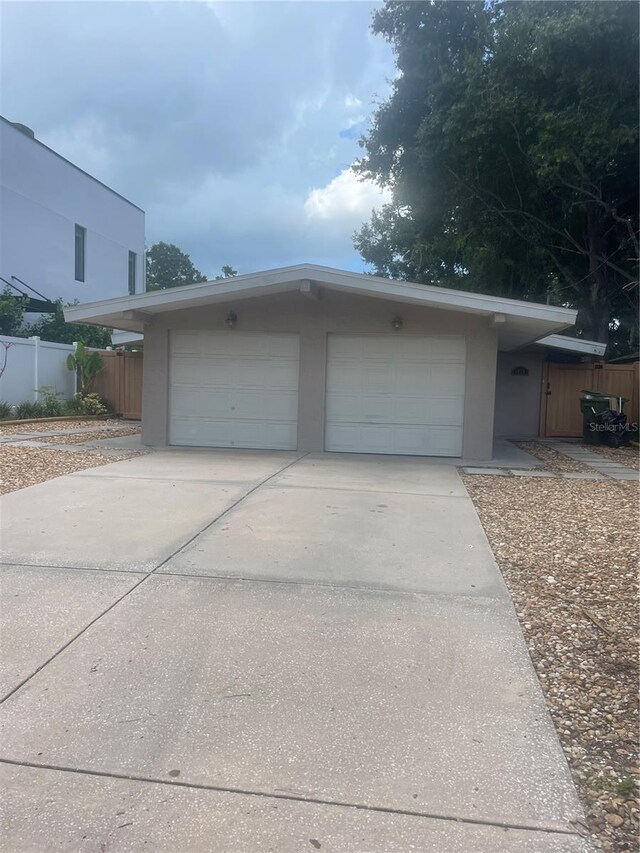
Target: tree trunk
(593, 319)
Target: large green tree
(510, 141)
(169, 266)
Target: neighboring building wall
(32, 364)
(313, 321)
(517, 412)
(42, 198)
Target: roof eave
(577, 345)
(129, 312)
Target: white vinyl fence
(32, 364)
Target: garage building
(310, 358)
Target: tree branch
(612, 211)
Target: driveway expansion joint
(71, 640)
(138, 572)
(458, 597)
(227, 510)
(575, 827)
(412, 493)
(146, 576)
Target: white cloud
(229, 151)
(354, 122)
(345, 202)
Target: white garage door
(395, 394)
(233, 389)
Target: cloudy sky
(233, 124)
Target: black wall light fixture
(231, 319)
(397, 322)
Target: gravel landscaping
(53, 426)
(82, 437)
(25, 466)
(568, 550)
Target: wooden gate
(562, 385)
(120, 383)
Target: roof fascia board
(581, 345)
(428, 293)
(190, 294)
(254, 284)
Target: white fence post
(36, 365)
(75, 372)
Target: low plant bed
(52, 404)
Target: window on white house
(81, 241)
(132, 273)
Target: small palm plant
(86, 364)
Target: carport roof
(518, 323)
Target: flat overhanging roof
(517, 323)
(578, 345)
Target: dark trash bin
(612, 427)
(602, 424)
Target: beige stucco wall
(314, 320)
(517, 412)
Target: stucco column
(311, 391)
(482, 351)
(155, 387)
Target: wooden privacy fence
(120, 383)
(561, 390)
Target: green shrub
(52, 401)
(87, 404)
(5, 410)
(27, 410)
(93, 405)
(74, 406)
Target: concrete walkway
(50, 438)
(230, 651)
(599, 464)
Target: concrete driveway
(246, 651)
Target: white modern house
(63, 233)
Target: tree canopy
(169, 266)
(53, 327)
(48, 327)
(12, 310)
(226, 272)
(510, 141)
